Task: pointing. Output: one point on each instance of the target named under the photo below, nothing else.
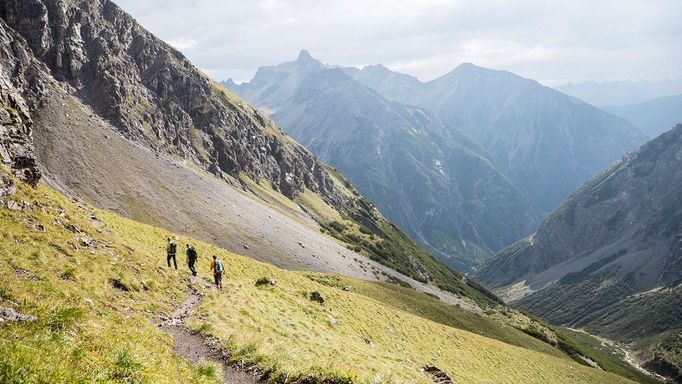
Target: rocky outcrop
(154, 95)
(85, 68)
(22, 84)
(628, 216)
(610, 258)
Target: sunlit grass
(91, 329)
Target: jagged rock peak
(305, 58)
(155, 96)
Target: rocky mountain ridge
(127, 122)
(436, 183)
(154, 95)
(609, 259)
(545, 142)
(653, 116)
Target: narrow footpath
(197, 349)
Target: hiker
(171, 250)
(218, 270)
(192, 256)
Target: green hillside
(99, 287)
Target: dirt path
(196, 349)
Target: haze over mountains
(437, 184)
(654, 116)
(112, 141)
(537, 143)
(126, 121)
(607, 93)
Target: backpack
(218, 266)
(192, 253)
(173, 248)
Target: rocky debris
(436, 375)
(317, 296)
(7, 188)
(14, 206)
(347, 288)
(333, 321)
(370, 343)
(155, 96)
(301, 244)
(86, 241)
(245, 246)
(11, 315)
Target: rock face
(434, 182)
(124, 121)
(154, 95)
(545, 142)
(632, 210)
(21, 85)
(611, 255)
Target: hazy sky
(551, 41)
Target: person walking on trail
(218, 270)
(192, 256)
(171, 250)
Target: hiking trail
(197, 349)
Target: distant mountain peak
(304, 56)
(376, 68)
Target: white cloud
(555, 41)
(182, 43)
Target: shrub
(265, 281)
(126, 369)
(208, 370)
(64, 318)
(68, 274)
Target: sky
(554, 42)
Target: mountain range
(465, 163)
(605, 93)
(652, 117)
(436, 183)
(109, 113)
(111, 141)
(545, 142)
(609, 259)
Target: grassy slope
(389, 245)
(89, 331)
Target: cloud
(182, 43)
(554, 42)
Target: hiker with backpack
(218, 270)
(171, 250)
(192, 256)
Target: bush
(64, 318)
(265, 281)
(208, 370)
(126, 369)
(316, 296)
(68, 274)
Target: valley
(368, 226)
